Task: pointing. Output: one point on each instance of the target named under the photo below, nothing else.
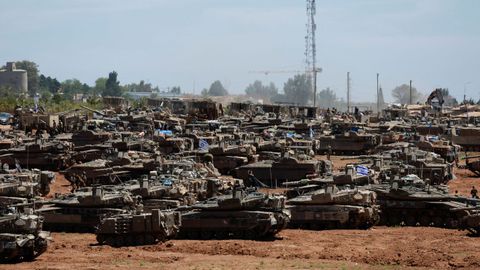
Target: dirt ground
(376, 248)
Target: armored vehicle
(331, 208)
(21, 236)
(26, 184)
(139, 228)
(81, 211)
(467, 137)
(90, 137)
(349, 143)
(473, 165)
(411, 202)
(43, 155)
(274, 173)
(243, 214)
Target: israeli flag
(312, 134)
(362, 170)
(203, 144)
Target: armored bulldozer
(139, 228)
(21, 236)
(243, 214)
(81, 211)
(411, 202)
(331, 208)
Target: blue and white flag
(362, 170)
(312, 134)
(203, 144)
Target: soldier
(474, 192)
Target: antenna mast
(310, 48)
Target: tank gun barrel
(92, 110)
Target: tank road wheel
(130, 240)
(438, 221)
(140, 240)
(192, 234)
(149, 239)
(28, 253)
(410, 220)
(425, 220)
(101, 239)
(205, 235)
(393, 219)
(220, 235)
(250, 234)
(118, 241)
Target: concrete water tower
(15, 78)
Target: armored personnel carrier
(243, 214)
(409, 201)
(21, 236)
(331, 208)
(81, 211)
(139, 228)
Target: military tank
(21, 237)
(410, 202)
(82, 210)
(331, 208)
(138, 228)
(348, 143)
(245, 214)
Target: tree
(112, 85)
(327, 98)
(258, 90)
(141, 87)
(48, 84)
(176, 90)
(99, 87)
(401, 94)
(74, 86)
(298, 89)
(216, 89)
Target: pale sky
(435, 43)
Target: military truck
(133, 229)
(467, 137)
(331, 208)
(21, 237)
(245, 214)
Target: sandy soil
(377, 248)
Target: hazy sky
(436, 43)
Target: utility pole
(310, 49)
(378, 98)
(348, 92)
(411, 97)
